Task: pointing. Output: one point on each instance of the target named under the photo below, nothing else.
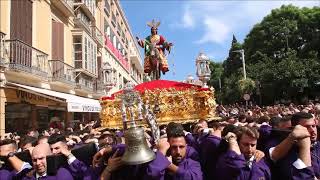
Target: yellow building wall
(99, 16)
(41, 37)
(5, 17)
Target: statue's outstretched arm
(140, 42)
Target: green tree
(282, 55)
(216, 73)
(233, 61)
(246, 86)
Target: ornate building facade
(58, 57)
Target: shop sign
(77, 107)
(28, 97)
(88, 108)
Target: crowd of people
(248, 143)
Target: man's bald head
(43, 149)
(39, 154)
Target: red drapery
(159, 84)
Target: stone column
(68, 118)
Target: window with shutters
(21, 21)
(77, 48)
(57, 40)
(85, 53)
(86, 56)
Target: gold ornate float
(170, 100)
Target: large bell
(137, 150)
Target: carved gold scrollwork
(174, 105)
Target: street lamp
(243, 63)
(203, 69)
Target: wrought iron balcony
(61, 72)
(25, 58)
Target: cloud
(216, 31)
(187, 21)
(187, 18)
(218, 20)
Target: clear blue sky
(199, 25)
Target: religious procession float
(168, 100)
(156, 102)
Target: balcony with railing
(98, 36)
(82, 21)
(87, 6)
(123, 61)
(84, 82)
(61, 72)
(65, 6)
(2, 50)
(99, 87)
(25, 58)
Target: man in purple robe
(39, 171)
(77, 168)
(11, 165)
(176, 166)
(239, 162)
(208, 150)
(115, 169)
(284, 153)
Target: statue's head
(154, 30)
(154, 26)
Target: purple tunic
(303, 174)
(191, 140)
(283, 168)
(233, 166)
(6, 174)
(62, 174)
(264, 136)
(315, 159)
(80, 170)
(126, 172)
(209, 155)
(192, 154)
(188, 169)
